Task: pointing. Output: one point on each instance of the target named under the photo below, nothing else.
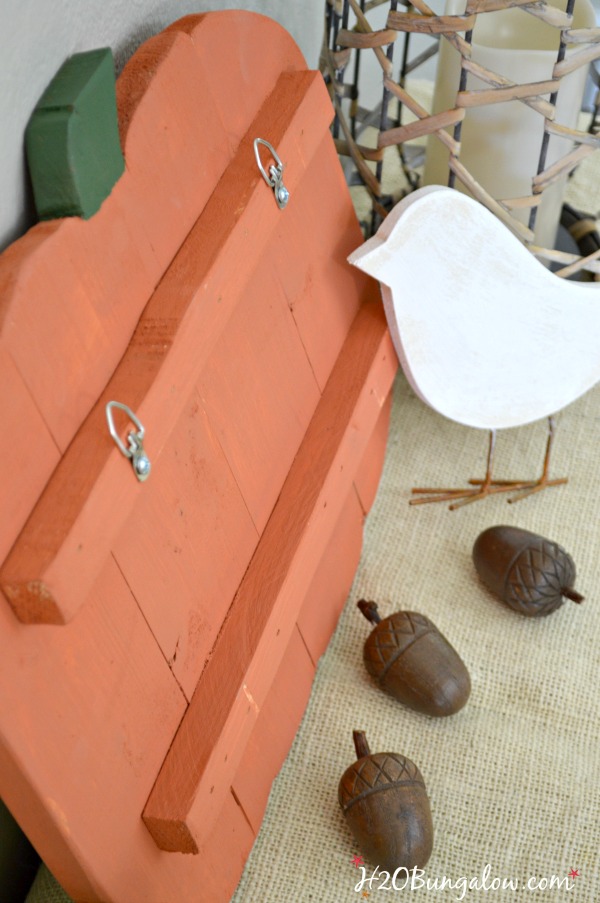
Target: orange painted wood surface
(26, 447)
(273, 735)
(198, 769)
(332, 579)
(321, 292)
(259, 390)
(75, 521)
(181, 618)
(87, 714)
(86, 282)
(186, 545)
(367, 476)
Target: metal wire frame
(342, 56)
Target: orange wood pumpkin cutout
(151, 628)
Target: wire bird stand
(341, 57)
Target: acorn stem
(369, 610)
(360, 744)
(571, 594)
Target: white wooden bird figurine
(485, 334)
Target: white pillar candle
(501, 143)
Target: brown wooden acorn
(529, 573)
(410, 659)
(385, 804)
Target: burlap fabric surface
(513, 778)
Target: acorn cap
(538, 576)
(373, 773)
(391, 637)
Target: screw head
(142, 467)
(282, 195)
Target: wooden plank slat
(274, 730)
(59, 316)
(330, 585)
(86, 716)
(240, 76)
(188, 539)
(75, 519)
(165, 104)
(26, 447)
(368, 475)
(321, 290)
(206, 750)
(258, 387)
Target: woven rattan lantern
(386, 32)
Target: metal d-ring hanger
(139, 459)
(274, 178)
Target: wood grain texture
(178, 329)
(206, 751)
(274, 730)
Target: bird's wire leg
(460, 497)
(529, 487)
(543, 482)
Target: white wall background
(37, 36)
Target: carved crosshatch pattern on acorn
(396, 633)
(537, 575)
(529, 573)
(375, 772)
